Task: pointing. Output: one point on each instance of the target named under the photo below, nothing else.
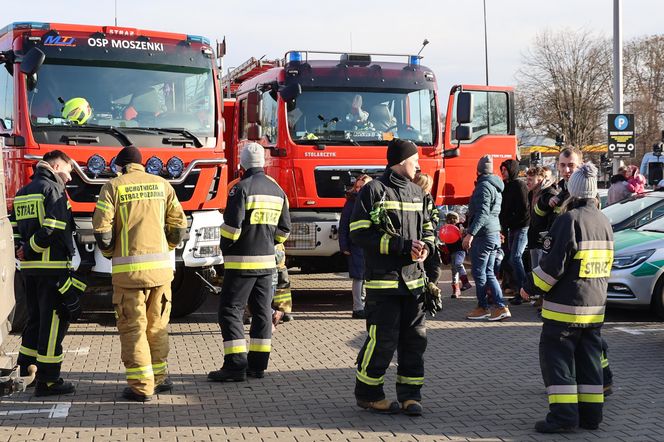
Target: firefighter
(43, 226)
(137, 222)
(572, 278)
(570, 158)
(390, 223)
(256, 218)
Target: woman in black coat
(354, 253)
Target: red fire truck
(155, 90)
(324, 118)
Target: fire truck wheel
(188, 290)
(20, 314)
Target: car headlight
(154, 166)
(96, 164)
(175, 166)
(626, 261)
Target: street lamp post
(617, 68)
(486, 50)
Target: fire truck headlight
(154, 166)
(175, 166)
(96, 164)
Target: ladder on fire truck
(249, 69)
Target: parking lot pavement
(482, 381)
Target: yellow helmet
(77, 110)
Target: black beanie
(398, 150)
(129, 154)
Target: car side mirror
(464, 110)
(32, 61)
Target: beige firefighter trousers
(142, 317)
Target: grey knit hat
(253, 155)
(485, 165)
(583, 182)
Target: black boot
(164, 387)
(129, 394)
(227, 375)
(258, 374)
(56, 388)
(548, 427)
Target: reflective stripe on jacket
(43, 223)
(256, 218)
(388, 264)
(573, 272)
(137, 221)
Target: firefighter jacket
(541, 215)
(388, 215)
(43, 223)
(256, 218)
(138, 220)
(573, 272)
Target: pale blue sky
(454, 28)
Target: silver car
(636, 277)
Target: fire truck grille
(333, 182)
(302, 236)
(82, 192)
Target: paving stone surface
(482, 381)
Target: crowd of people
(565, 274)
(395, 243)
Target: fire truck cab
(155, 90)
(325, 118)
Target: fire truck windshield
(362, 117)
(126, 95)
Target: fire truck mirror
(32, 61)
(254, 132)
(290, 91)
(463, 133)
(464, 108)
(254, 107)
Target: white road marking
(637, 331)
(56, 411)
(78, 351)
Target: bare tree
(644, 88)
(564, 86)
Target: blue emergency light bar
(198, 39)
(294, 57)
(299, 56)
(19, 25)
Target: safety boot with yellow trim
(411, 408)
(383, 406)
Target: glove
(432, 301)
(70, 308)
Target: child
(636, 183)
(451, 234)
